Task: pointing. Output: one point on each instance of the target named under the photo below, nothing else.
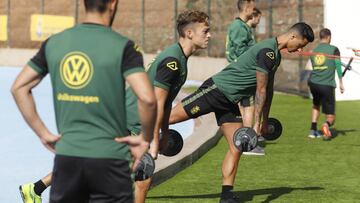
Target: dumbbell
(245, 139)
(175, 143)
(275, 129)
(146, 168)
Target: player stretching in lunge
(251, 74)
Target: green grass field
(295, 168)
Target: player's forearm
(269, 97)
(159, 120)
(25, 102)
(260, 98)
(267, 105)
(165, 122)
(147, 113)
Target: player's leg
(328, 103)
(229, 120)
(247, 119)
(194, 105)
(315, 111)
(68, 182)
(108, 180)
(31, 192)
(141, 190)
(247, 111)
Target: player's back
(88, 85)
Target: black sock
(227, 191)
(313, 126)
(39, 187)
(329, 124)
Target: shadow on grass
(335, 132)
(244, 196)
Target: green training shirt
(88, 65)
(238, 79)
(167, 71)
(239, 39)
(324, 67)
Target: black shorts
(78, 180)
(323, 95)
(247, 101)
(208, 98)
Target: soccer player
(168, 72)
(255, 20)
(322, 84)
(239, 36)
(88, 65)
(251, 74)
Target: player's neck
(187, 47)
(96, 18)
(282, 41)
(243, 17)
(324, 41)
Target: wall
(345, 33)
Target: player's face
(296, 43)
(249, 9)
(201, 35)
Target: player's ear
(189, 33)
(113, 4)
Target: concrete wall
(200, 68)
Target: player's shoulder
(172, 51)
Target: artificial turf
(294, 169)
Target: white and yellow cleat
(28, 194)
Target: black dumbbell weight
(245, 139)
(275, 129)
(146, 168)
(175, 143)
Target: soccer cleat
(257, 151)
(227, 198)
(28, 194)
(326, 131)
(314, 134)
(261, 139)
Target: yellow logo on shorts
(76, 70)
(172, 65)
(319, 59)
(195, 109)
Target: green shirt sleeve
(338, 68)
(338, 63)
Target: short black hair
(188, 17)
(324, 33)
(304, 30)
(256, 12)
(96, 5)
(241, 4)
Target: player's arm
(265, 60)
(165, 77)
(260, 98)
(30, 76)
(338, 70)
(137, 79)
(269, 97)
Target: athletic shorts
(247, 101)
(208, 98)
(323, 95)
(80, 180)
